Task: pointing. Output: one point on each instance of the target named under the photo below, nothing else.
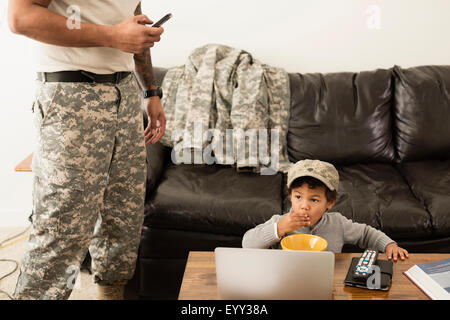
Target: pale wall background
(300, 36)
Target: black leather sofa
(388, 133)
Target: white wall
(309, 36)
(300, 36)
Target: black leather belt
(81, 76)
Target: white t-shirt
(101, 60)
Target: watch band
(153, 93)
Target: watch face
(153, 93)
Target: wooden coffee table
(199, 280)
(25, 164)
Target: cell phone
(162, 20)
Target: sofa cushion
(422, 112)
(213, 199)
(377, 195)
(430, 183)
(176, 244)
(344, 118)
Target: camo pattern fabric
(224, 88)
(321, 170)
(89, 170)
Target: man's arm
(143, 64)
(144, 73)
(33, 19)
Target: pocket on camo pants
(58, 200)
(57, 188)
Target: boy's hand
(292, 222)
(394, 251)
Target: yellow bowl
(304, 242)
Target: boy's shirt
(333, 227)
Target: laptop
(270, 274)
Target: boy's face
(312, 202)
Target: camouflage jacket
(225, 107)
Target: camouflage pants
(88, 188)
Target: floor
(14, 250)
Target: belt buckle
(42, 76)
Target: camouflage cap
(320, 170)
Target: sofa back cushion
(343, 118)
(422, 112)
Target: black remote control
(363, 269)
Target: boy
(313, 187)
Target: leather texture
(176, 244)
(343, 118)
(213, 199)
(376, 194)
(422, 112)
(386, 131)
(162, 259)
(430, 184)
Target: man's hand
(156, 121)
(132, 36)
(393, 252)
(33, 19)
(292, 222)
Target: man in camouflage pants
(90, 159)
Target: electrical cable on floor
(14, 236)
(16, 264)
(8, 274)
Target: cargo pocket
(44, 103)
(58, 199)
